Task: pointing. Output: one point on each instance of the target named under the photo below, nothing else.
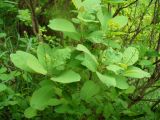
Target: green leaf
(3, 35)
(116, 1)
(113, 44)
(86, 17)
(135, 72)
(82, 48)
(30, 112)
(115, 68)
(89, 90)
(89, 59)
(20, 60)
(120, 20)
(96, 37)
(130, 90)
(108, 109)
(94, 3)
(130, 56)
(77, 3)
(62, 25)
(54, 102)
(3, 70)
(86, 5)
(25, 16)
(44, 56)
(2, 87)
(104, 16)
(106, 79)
(67, 77)
(41, 97)
(121, 82)
(63, 109)
(6, 77)
(59, 56)
(27, 62)
(74, 36)
(145, 63)
(34, 64)
(111, 56)
(89, 62)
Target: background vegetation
(80, 59)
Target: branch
(138, 30)
(155, 77)
(156, 62)
(154, 105)
(133, 117)
(35, 25)
(157, 58)
(149, 100)
(154, 89)
(119, 9)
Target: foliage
(87, 60)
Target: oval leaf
(44, 56)
(30, 112)
(89, 59)
(89, 62)
(41, 97)
(96, 37)
(88, 90)
(120, 20)
(108, 80)
(61, 25)
(2, 87)
(19, 59)
(27, 62)
(67, 77)
(135, 72)
(121, 82)
(130, 56)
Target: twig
(149, 100)
(119, 9)
(154, 105)
(138, 30)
